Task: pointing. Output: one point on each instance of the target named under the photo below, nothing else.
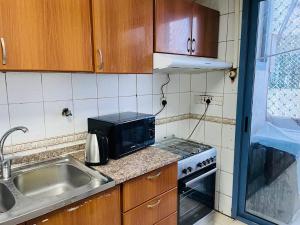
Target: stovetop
(182, 147)
(194, 156)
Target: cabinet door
(123, 36)
(205, 31)
(55, 218)
(46, 35)
(105, 208)
(173, 26)
(170, 220)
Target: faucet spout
(6, 164)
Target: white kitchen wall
(36, 100)
(219, 85)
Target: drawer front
(170, 220)
(149, 185)
(152, 211)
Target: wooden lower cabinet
(170, 220)
(152, 211)
(102, 209)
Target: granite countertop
(120, 170)
(134, 165)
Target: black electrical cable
(201, 118)
(164, 101)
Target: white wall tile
(24, 87)
(108, 106)
(173, 104)
(183, 128)
(160, 132)
(213, 133)
(158, 81)
(56, 124)
(227, 160)
(128, 104)
(229, 107)
(195, 107)
(226, 181)
(84, 109)
(198, 82)
(230, 87)
(144, 84)
(228, 136)
(231, 27)
(223, 28)
(145, 104)
(230, 51)
(214, 110)
(57, 86)
(198, 135)
(127, 85)
(3, 96)
(157, 106)
(185, 82)
(108, 85)
(84, 86)
(222, 50)
(225, 204)
(185, 103)
(172, 129)
(4, 120)
(174, 85)
(30, 115)
(231, 5)
(215, 82)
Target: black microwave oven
(126, 132)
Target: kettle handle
(103, 149)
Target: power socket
(201, 99)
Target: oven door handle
(201, 177)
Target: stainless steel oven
(196, 178)
(196, 195)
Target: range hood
(168, 63)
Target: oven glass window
(196, 198)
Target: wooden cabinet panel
(173, 26)
(123, 36)
(170, 220)
(103, 208)
(205, 31)
(46, 35)
(150, 185)
(152, 211)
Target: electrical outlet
(201, 99)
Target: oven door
(196, 195)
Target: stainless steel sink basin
(7, 200)
(40, 188)
(51, 180)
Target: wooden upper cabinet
(173, 26)
(205, 32)
(185, 27)
(123, 36)
(45, 35)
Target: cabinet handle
(101, 64)
(188, 44)
(73, 208)
(193, 45)
(4, 55)
(154, 176)
(45, 220)
(153, 205)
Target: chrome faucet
(6, 163)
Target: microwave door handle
(201, 177)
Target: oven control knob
(199, 165)
(212, 159)
(189, 169)
(184, 171)
(204, 163)
(208, 161)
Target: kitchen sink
(51, 180)
(39, 188)
(7, 200)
